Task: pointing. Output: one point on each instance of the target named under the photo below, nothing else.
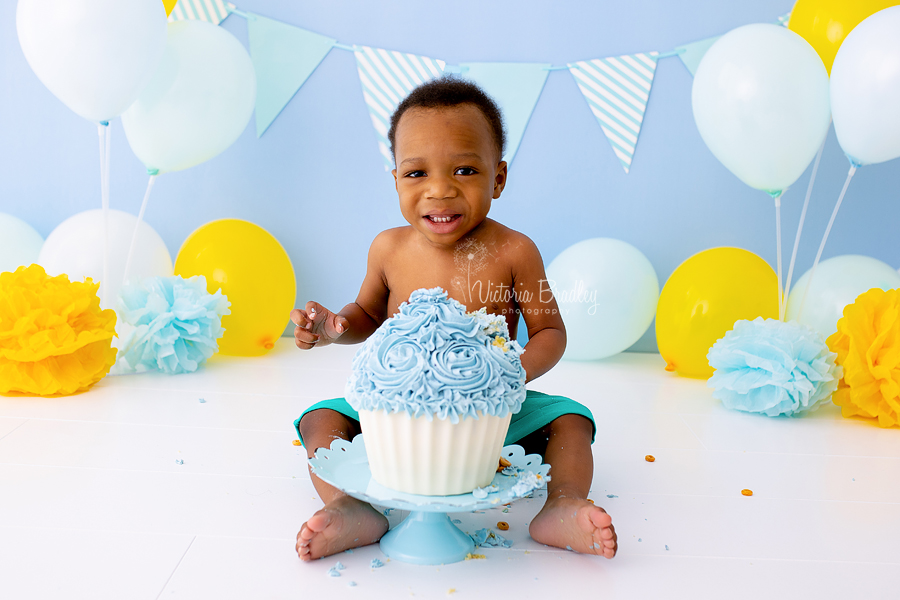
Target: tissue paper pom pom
(867, 343)
(54, 339)
(176, 323)
(770, 367)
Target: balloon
(606, 291)
(20, 244)
(837, 283)
(825, 23)
(94, 55)
(703, 298)
(198, 101)
(760, 100)
(253, 271)
(75, 248)
(865, 89)
(169, 4)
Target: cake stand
(427, 536)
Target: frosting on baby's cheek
(432, 359)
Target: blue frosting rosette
(433, 359)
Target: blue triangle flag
(516, 87)
(284, 57)
(691, 54)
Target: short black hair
(450, 91)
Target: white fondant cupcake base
(432, 458)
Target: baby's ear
(500, 178)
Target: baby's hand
(317, 326)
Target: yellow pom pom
(867, 343)
(54, 339)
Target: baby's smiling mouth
(441, 218)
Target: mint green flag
(516, 87)
(691, 54)
(284, 57)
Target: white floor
(93, 503)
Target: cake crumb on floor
(471, 556)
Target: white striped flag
(617, 91)
(387, 77)
(213, 11)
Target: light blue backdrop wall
(316, 181)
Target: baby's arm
(318, 326)
(546, 332)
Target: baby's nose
(440, 187)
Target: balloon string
(812, 179)
(137, 227)
(104, 203)
(825, 238)
(778, 254)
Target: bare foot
(574, 524)
(343, 523)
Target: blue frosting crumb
(376, 563)
(432, 359)
(667, 547)
(352, 584)
(340, 566)
(490, 539)
(332, 572)
(202, 400)
(178, 461)
(611, 496)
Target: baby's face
(448, 171)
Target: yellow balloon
(825, 23)
(256, 274)
(169, 4)
(703, 298)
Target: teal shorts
(538, 410)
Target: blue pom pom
(771, 367)
(175, 321)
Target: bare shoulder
(518, 249)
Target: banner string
(777, 198)
(353, 48)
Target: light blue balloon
(198, 102)
(607, 293)
(761, 103)
(837, 283)
(20, 244)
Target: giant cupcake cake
(435, 388)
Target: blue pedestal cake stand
(427, 536)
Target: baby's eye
(416, 174)
(465, 171)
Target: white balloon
(865, 89)
(199, 100)
(607, 292)
(75, 248)
(837, 283)
(760, 101)
(20, 244)
(94, 55)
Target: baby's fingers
(304, 338)
(299, 317)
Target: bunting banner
(213, 11)
(284, 57)
(516, 87)
(387, 77)
(617, 90)
(691, 54)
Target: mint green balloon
(20, 244)
(760, 101)
(607, 293)
(198, 102)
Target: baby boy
(447, 139)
